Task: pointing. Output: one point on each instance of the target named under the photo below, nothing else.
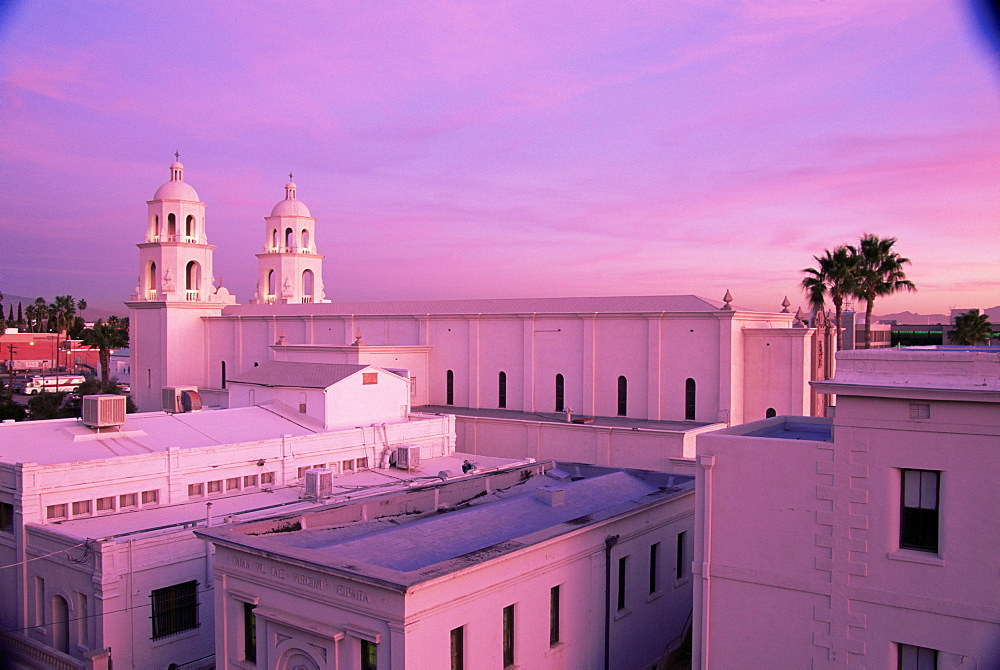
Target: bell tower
(175, 290)
(289, 270)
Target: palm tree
(971, 328)
(40, 314)
(833, 275)
(879, 273)
(62, 312)
(105, 337)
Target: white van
(52, 384)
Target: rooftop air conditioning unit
(102, 411)
(318, 482)
(178, 399)
(408, 457)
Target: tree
(834, 276)
(971, 328)
(880, 272)
(62, 313)
(105, 337)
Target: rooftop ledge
(814, 429)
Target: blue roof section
(795, 430)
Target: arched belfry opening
(307, 286)
(154, 229)
(270, 286)
(152, 281)
(305, 239)
(192, 280)
(189, 228)
(274, 239)
(171, 226)
(289, 239)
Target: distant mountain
(910, 318)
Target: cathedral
(657, 358)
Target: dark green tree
(880, 273)
(971, 328)
(105, 337)
(833, 276)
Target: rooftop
(299, 375)
(457, 523)
(266, 501)
(69, 441)
(602, 304)
(560, 417)
(933, 368)
(812, 428)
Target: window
(249, 633)
(369, 655)
(249, 481)
(450, 390)
(267, 478)
(39, 601)
(502, 391)
(920, 410)
(770, 412)
(60, 624)
(508, 636)
(654, 567)
(919, 513)
(689, 399)
(55, 511)
(362, 463)
(560, 392)
(622, 565)
(368, 378)
(81, 507)
(622, 396)
(215, 486)
(150, 497)
(233, 484)
(347, 466)
(458, 648)
(6, 517)
(128, 500)
(554, 616)
(196, 490)
(175, 609)
(916, 658)
(106, 504)
(681, 556)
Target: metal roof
(601, 304)
(299, 375)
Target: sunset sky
(508, 149)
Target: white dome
(290, 206)
(176, 189)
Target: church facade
(657, 358)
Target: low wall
(641, 448)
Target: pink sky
(458, 149)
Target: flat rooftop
(795, 430)
(69, 441)
(560, 417)
(455, 523)
(267, 501)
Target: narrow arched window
(154, 228)
(60, 624)
(274, 238)
(450, 390)
(502, 391)
(305, 239)
(270, 282)
(189, 226)
(689, 399)
(560, 393)
(192, 276)
(289, 239)
(171, 226)
(307, 286)
(622, 396)
(770, 412)
(152, 282)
